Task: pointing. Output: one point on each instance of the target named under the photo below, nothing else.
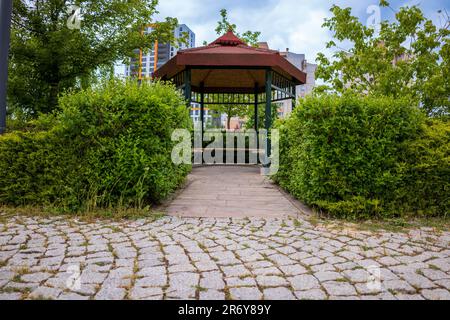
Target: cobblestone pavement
(61, 258)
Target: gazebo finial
(229, 39)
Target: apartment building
(147, 62)
(299, 60)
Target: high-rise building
(298, 60)
(147, 62)
(301, 63)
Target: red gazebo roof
(229, 39)
(230, 64)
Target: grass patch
(396, 225)
(297, 223)
(24, 290)
(41, 298)
(314, 220)
(227, 293)
(419, 272)
(404, 224)
(113, 252)
(116, 229)
(392, 291)
(22, 271)
(115, 214)
(201, 289)
(202, 246)
(433, 267)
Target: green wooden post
(294, 99)
(268, 113)
(257, 121)
(188, 87)
(202, 110)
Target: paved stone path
(63, 258)
(231, 191)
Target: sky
(293, 24)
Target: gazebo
(228, 71)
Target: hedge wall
(365, 157)
(109, 146)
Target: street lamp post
(5, 29)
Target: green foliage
(36, 169)
(365, 157)
(252, 39)
(250, 124)
(408, 57)
(48, 58)
(109, 146)
(223, 26)
(428, 161)
(230, 110)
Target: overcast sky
(294, 24)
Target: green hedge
(109, 146)
(365, 157)
(427, 185)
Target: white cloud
(283, 23)
(294, 24)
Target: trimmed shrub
(427, 184)
(364, 157)
(109, 146)
(37, 167)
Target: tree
(48, 57)
(409, 57)
(224, 25)
(249, 37)
(231, 110)
(250, 124)
(252, 39)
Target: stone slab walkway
(195, 258)
(231, 191)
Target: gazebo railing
(277, 88)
